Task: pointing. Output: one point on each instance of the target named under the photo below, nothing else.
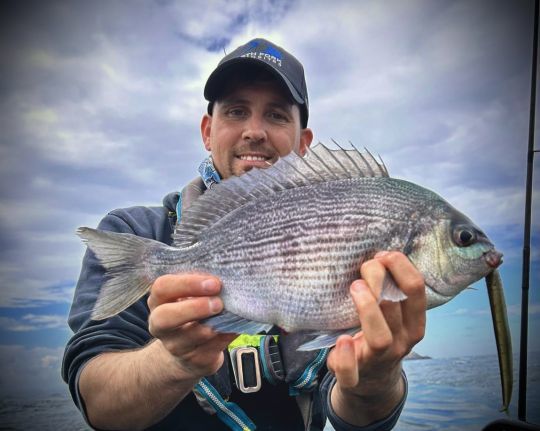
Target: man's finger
(393, 314)
(405, 274)
(377, 334)
(373, 273)
(411, 281)
(345, 362)
(187, 339)
(206, 358)
(171, 287)
(170, 316)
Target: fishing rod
(521, 423)
(522, 399)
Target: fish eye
(464, 237)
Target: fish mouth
(493, 258)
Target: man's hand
(115, 385)
(368, 365)
(176, 303)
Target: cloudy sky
(100, 105)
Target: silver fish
(287, 242)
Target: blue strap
(228, 412)
(308, 380)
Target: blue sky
(101, 103)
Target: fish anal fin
(228, 322)
(326, 340)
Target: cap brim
(214, 84)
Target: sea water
(444, 394)
(463, 393)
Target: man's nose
(255, 130)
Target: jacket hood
(170, 200)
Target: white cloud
(103, 106)
(51, 361)
(48, 321)
(33, 322)
(14, 325)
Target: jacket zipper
(314, 365)
(223, 407)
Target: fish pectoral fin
(327, 339)
(232, 323)
(390, 291)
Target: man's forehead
(247, 93)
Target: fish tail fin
(127, 276)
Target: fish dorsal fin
(320, 165)
(345, 163)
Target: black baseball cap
(270, 57)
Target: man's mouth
(253, 158)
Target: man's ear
(306, 137)
(206, 126)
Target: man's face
(251, 126)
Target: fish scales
(279, 255)
(302, 241)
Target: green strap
(246, 340)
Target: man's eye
(236, 112)
(278, 116)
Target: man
(144, 367)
